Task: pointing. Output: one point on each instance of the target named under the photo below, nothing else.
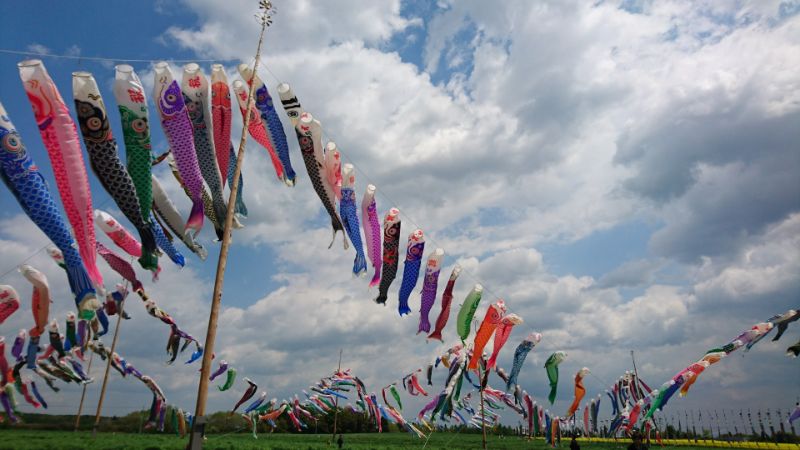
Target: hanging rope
(105, 59)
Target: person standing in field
(340, 441)
(637, 442)
(573, 445)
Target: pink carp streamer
(9, 304)
(117, 233)
(64, 148)
(501, 335)
(372, 232)
(121, 236)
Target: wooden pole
(108, 367)
(83, 394)
(195, 438)
(483, 411)
(336, 402)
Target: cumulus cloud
(523, 125)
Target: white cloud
(574, 118)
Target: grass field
(24, 439)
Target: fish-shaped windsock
(256, 127)
(501, 336)
(40, 300)
(165, 243)
(229, 379)
(694, 371)
(248, 393)
(783, 322)
(793, 350)
(414, 250)
(271, 122)
(172, 219)
(195, 88)
(390, 258)
(22, 177)
(429, 285)
(586, 429)
(105, 162)
(492, 319)
(551, 365)
(221, 116)
(120, 266)
(795, 414)
(256, 403)
(122, 237)
(117, 233)
(309, 136)
(747, 336)
(372, 232)
(635, 411)
(580, 391)
(672, 387)
(208, 202)
(132, 103)
(333, 168)
(349, 213)
(223, 366)
(447, 300)
(519, 357)
(71, 337)
(9, 302)
(178, 129)
(19, 344)
(467, 311)
(290, 103)
(60, 138)
(529, 410)
(239, 208)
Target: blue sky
(581, 162)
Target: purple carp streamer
(60, 138)
(178, 128)
(22, 177)
(372, 232)
(429, 286)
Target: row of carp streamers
(631, 399)
(196, 118)
(200, 151)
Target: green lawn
(27, 439)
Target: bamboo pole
(482, 385)
(83, 394)
(336, 402)
(195, 438)
(108, 367)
